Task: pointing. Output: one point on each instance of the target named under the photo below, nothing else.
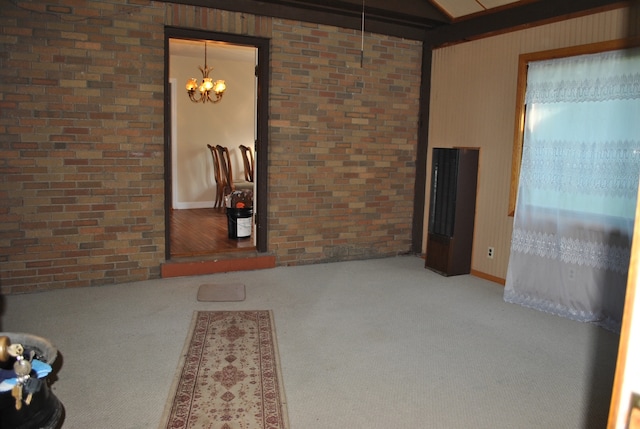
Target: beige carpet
(230, 375)
(375, 344)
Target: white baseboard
(194, 205)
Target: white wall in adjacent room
(230, 123)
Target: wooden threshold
(223, 264)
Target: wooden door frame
(262, 131)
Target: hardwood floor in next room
(199, 232)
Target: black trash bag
(241, 199)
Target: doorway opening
(196, 221)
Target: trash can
(239, 222)
(239, 206)
(44, 410)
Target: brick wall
(82, 143)
(342, 143)
(81, 126)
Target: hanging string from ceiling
(362, 38)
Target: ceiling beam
(510, 19)
(336, 13)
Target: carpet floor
(381, 343)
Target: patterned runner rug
(230, 376)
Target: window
(521, 107)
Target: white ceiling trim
(460, 8)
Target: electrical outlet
(490, 253)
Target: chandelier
(208, 90)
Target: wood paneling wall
(473, 91)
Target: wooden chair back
(220, 183)
(227, 173)
(247, 158)
(225, 168)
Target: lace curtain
(574, 217)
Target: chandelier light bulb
(207, 84)
(219, 86)
(192, 84)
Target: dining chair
(227, 173)
(220, 184)
(247, 158)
